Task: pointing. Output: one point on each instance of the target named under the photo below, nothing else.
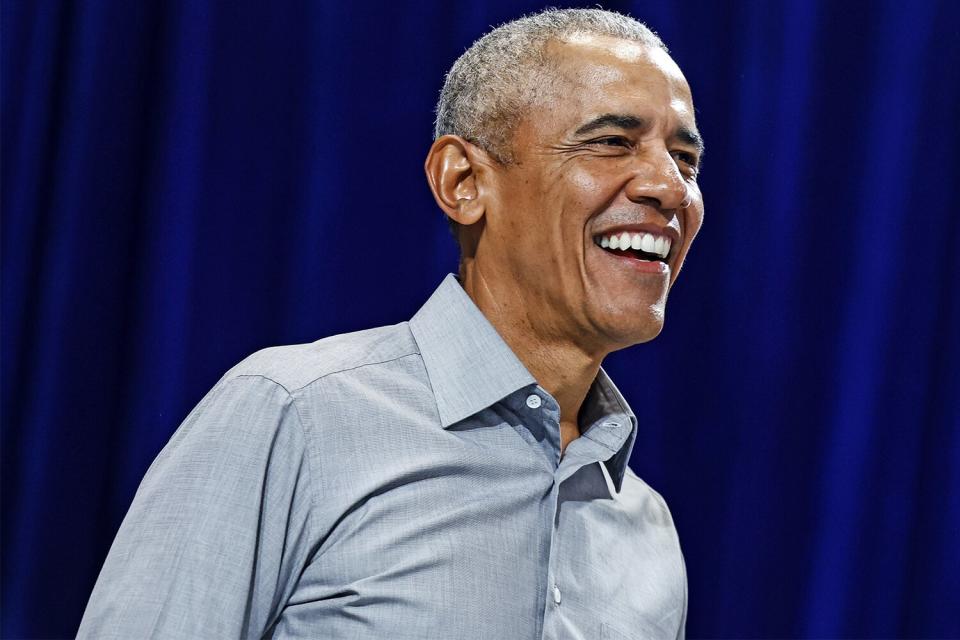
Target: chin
(646, 334)
(628, 329)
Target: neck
(562, 368)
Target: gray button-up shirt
(401, 482)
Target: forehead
(604, 74)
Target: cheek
(585, 183)
(588, 185)
(694, 220)
(693, 215)
(575, 174)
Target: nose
(657, 181)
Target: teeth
(647, 242)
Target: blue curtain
(186, 182)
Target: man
(463, 475)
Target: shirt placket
(541, 408)
(551, 590)
(554, 605)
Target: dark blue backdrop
(186, 182)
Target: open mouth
(640, 245)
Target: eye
(687, 160)
(611, 141)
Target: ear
(456, 171)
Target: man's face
(613, 154)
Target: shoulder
(660, 535)
(256, 399)
(296, 366)
(642, 496)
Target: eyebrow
(691, 137)
(624, 121)
(621, 121)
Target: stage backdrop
(186, 182)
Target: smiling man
(462, 475)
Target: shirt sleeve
(682, 631)
(219, 530)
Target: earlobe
(452, 170)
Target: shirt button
(533, 401)
(556, 594)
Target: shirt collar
(470, 367)
(608, 420)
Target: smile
(645, 246)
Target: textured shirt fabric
(401, 482)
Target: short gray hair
(502, 73)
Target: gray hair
(488, 88)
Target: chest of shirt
(474, 532)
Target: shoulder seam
(312, 475)
(343, 370)
(263, 377)
(314, 478)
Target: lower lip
(640, 266)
